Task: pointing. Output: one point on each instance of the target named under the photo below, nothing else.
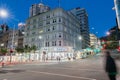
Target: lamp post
(80, 38)
(3, 15)
(40, 37)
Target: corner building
(54, 32)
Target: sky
(100, 14)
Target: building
(82, 15)
(4, 32)
(93, 40)
(36, 9)
(21, 35)
(13, 39)
(55, 33)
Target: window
(59, 35)
(59, 43)
(48, 16)
(40, 24)
(53, 43)
(48, 29)
(59, 19)
(47, 22)
(47, 44)
(53, 27)
(54, 20)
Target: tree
(3, 51)
(19, 50)
(34, 48)
(27, 49)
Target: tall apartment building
(4, 33)
(82, 15)
(55, 32)
(37, 9)
(21, 35)
(13, 39)
(93, 40)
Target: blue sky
(100, 13)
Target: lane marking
(42, 64)
(47, 73)
(76, 69)
(79, 69)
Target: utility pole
(12, 46)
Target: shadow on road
(11, 71)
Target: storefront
(55, 52)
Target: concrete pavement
(83, 69)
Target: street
(91, 68)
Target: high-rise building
(93, 40)
(55, 32)
(12, 39)
(21, 35)
(4, 33)
(36, 9)
(82, 15)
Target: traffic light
(11, 51)
(118, 48)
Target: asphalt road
(91, 68)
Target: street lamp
(80, 38)
(108, 33)
(3, 13)
(40, 37)
(2, 45)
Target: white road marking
(42, 64)
(79, 69)
(4, 79)
(47, 73)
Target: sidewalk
(30, 62)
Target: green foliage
(34, 48)
(27, 48)
(19, 50)
(112, 45)
(3, 51)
